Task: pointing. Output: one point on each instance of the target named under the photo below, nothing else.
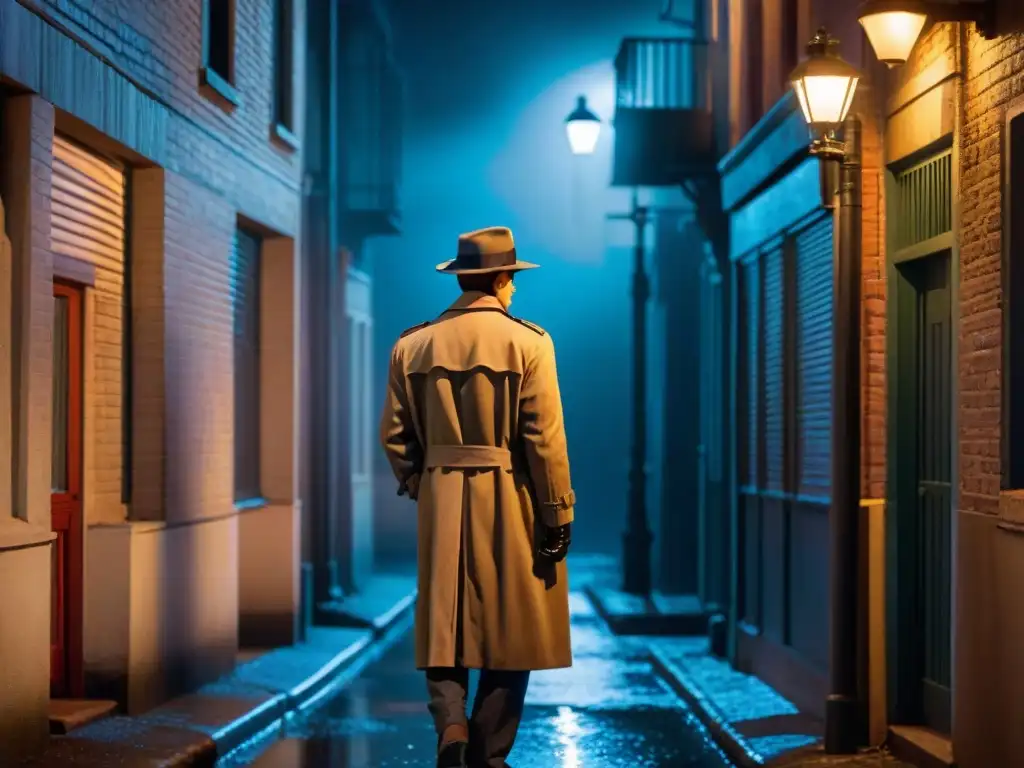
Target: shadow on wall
(485, 146)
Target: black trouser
(497, 709)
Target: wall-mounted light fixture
(825, 85)
(893, 26)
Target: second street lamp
(582, 128)
(825, 86)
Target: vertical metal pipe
(844, 720)
(637, 539)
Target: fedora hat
(485, 250)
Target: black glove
(556, 542)
(410, 487)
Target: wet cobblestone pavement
(609, 710)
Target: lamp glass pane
(801, 96)
(582, 135)
(850, 91)
(893, 34)
(827, 97)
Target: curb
(731, 742)
(262, 723)
(239, 712)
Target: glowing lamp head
(824, 84)
(893, 27)
(582, 128)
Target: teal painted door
(934, 492)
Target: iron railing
(662, 73)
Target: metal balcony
(371, 91)
(664, 129)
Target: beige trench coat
(472, 427)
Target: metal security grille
(774, 373)
(923, 206)
(814, 359)
(751, 318)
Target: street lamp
(825, 86)
(582, 127)
(893, 26)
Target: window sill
(215, 85)
(284, 138)
(15, 533)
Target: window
(246, 305)
(218, 71)
(360, 407)
(284, 64)
(1013, 303)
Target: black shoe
(452, 755)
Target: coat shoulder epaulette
(532, 326)
(414, 328)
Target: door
(361, 424)
(933, 509)
(66, 493)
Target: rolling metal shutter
(750, 327)
(87, 211)
(774, 397)
(814, 358)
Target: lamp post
(825, 86)
(637, 538)
(893, 26)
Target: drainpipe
(844, 710)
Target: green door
(919, 365)
(934, 499)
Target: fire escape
(666, 133)
(370, 91)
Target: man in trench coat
(472, 427)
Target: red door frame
(66, 678)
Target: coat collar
(474, 301)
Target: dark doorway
(924, 493)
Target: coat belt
(469, 457)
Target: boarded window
(245, 285)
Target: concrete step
(68, 714)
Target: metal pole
(844, 721)
(637, 539)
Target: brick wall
(992, 81)
(159, 46)
(219, 164)
(873, 292)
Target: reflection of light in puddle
(568, 728)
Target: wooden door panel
(66, 495)
(934, 550)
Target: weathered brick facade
(122, 78)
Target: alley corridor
(608, 710)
